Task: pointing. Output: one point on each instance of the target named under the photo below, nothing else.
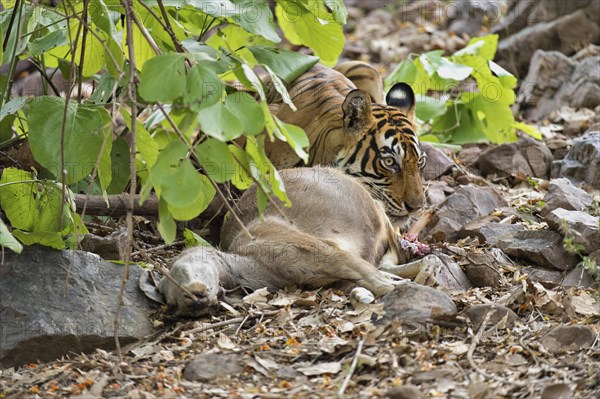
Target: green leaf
(163, 78)
(288, 65)
(216, 160)
(166, 224)
(220, 122)
(7, 240)
(338, 10)
(247, 109)
(119, 155)
(254, 81)
(528, 129)
(295, 137)
(205, 196)
(497, 122)
(240, 179)
(235, 40)
(280, 88)
(255, 17)
(94, 55)
(490, 86)
(203, 87)
(48, 42)
(406, 72)
(429, 108)
(192, 239)
(33, 207)
(12, 106)
(100, 16)
(484, 47)
(172, 172)
(142, 50)
(47, 238)
(322, 34)
(84, 134)
(146, 146)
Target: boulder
(111, 247)
(563, 194)
(578, 277)
(542, 247)
(564, 34)
(582, 163)
(208, 367)
(582, 226)
(465, 205)
(568, 338)
(556, 81)
(482, 269)
(526, 157)
(438, 162)
(55, 303)
(477, 313)
(488, 231)
(410, 302)
(436, 192)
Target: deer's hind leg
(285, 255)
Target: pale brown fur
(334, 232)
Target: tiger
(348, 127)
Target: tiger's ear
(402, 97)
(357, 112)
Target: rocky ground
(515, 311)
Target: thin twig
(14, 58)
(212, 182)
(232, 321)
(132, 170)
(169, 28)
(167, 274)
(82, 55)
(144, 32)
(157, 248)
(352, 368)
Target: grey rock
(111, 247)
(438, 163)
(465, 205)
(578, 277)
(526, 157)
(558, 147)
(563, 194)
(568, 338)
(563, 34)
(468, 155)
(207, 367)
(59, 302)
(542, 247)
(557, 391)
(488, 231)
(405, 392)
(467, 16)
(451, 276)
(413, 302)
(582, 163)
(477, 313)
(482, 269)
(436, 192)
(582, 226)
(556, 81)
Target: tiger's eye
(389, 161)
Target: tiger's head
(382, 148)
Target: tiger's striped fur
(374, 142)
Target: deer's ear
(402, 96)
(357, 112)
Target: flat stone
(582, 163)
(582, 226)
(578, 277)
(466, 204)
(111, 247)
(413, 302)
(488, 231)
(55, 303)
(438, 162)
(568, 338)
(482, 269)
(526, 157)
(437, 191)
(477, 313)
(557, 391)
(542, 247)
(564, 34)
(452, 277)
(563, 194)
(405, 392)
(207, 367)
